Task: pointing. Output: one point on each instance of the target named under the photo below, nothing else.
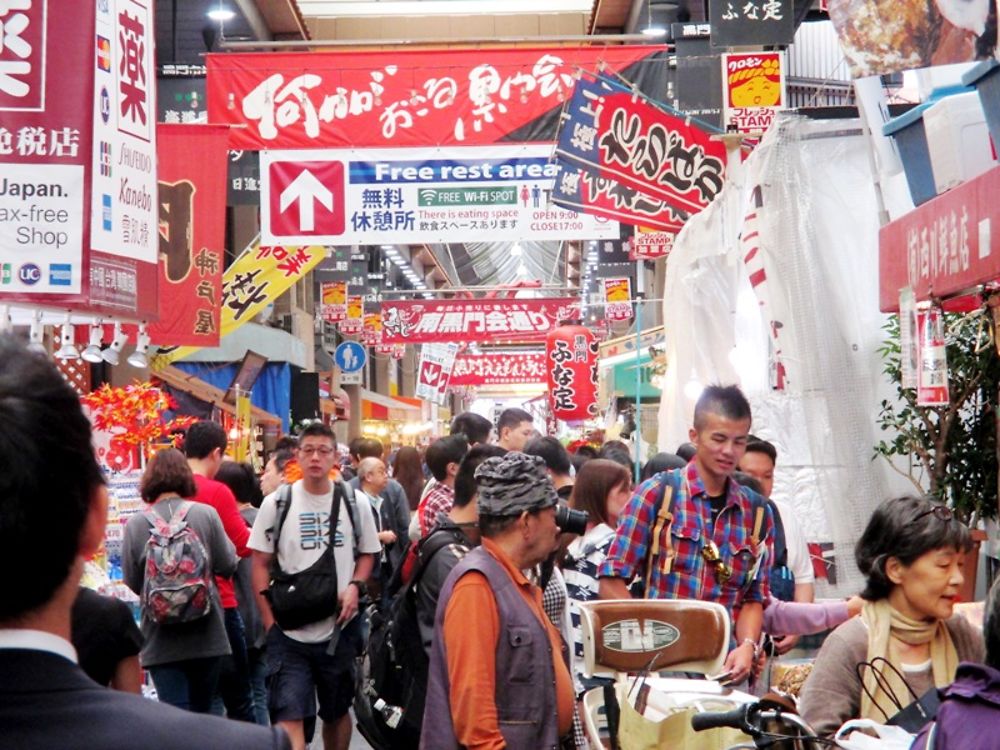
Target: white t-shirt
(798, 551)
(306, 534)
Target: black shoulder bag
(299, 599)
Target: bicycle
(761, 721)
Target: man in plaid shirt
(715, 547)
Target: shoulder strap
(664, 517)
(352, 508)
(430, 546)
(780, 543)
(282, 503)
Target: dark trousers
(234, 681)
(188, 684)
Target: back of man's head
(202, 438)
(444, 451)
(370, 448)
(465, 480)
(511, 418)
(726, 401)
(552, 452)
(475, 427)
(48, 479)
(686, 451)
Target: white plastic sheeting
(816, 274)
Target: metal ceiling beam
(443, 41)
(254, 19)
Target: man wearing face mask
(499, 671)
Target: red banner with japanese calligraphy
(192, 233)
(399, 97)
(465, 320)
(611, 131)
(476, 370)
(571, 358)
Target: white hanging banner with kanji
(436, 362)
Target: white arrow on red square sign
(301, 201)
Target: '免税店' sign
(478, 370)
(944, 246)
(78, 203)
(398, 98)
(463, 321)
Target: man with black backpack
(309, 573)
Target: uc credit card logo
(29, 274)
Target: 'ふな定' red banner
(398, 98)
(498, 369)
(433, 321)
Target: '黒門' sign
(474, 320)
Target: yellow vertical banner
(243, 447)
(254, 280)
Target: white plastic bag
(887, 737)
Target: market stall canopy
(337, 406)
(376, 406)
(199, 389)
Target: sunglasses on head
(942, 512)
(710, 552)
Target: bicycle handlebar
(735, 718)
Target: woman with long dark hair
(184, 658)
(408, 470)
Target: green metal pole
(638, 368)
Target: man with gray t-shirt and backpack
(309, 574)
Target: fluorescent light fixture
(93, 351)
(221, 14)
(139, 358)
(111, 354)
(653, 31)
(388, 247)
(428, 295)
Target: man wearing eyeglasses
(313, 659)
(693, 533)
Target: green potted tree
(950, 451)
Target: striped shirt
(586, 555)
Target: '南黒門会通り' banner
(468, 320)
(456, 194)
(405, 97)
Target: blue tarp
(271, 392)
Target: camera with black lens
(571, 521)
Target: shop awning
(177, 378)
(376, 406)
(337, 406)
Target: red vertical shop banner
(191, 171)
(571, 355)
(48, 63)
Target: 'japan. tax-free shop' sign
(457, 194)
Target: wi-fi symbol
(428, 194)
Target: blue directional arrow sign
(350, 356)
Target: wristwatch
(362, 586)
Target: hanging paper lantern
(571, 359)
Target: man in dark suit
(53, 509)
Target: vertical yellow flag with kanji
(255, 279)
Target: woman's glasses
(710, 552)
(942, 512)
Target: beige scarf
(882, 621)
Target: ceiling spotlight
(67, 349)
(221, 14)
(35, 342)
(139, 358)
(110, 354)
(93, 351)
